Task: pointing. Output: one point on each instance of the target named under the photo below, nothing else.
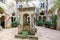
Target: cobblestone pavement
(42, 33)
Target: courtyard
(42, 33)
(29, 19)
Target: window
(13, 18)
(42, 5)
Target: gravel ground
(42, 33)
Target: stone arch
(42, 12)
(2, 21)
(25, 18)
(13, 18)
(4, 14)
(2, 17)
(42, 16)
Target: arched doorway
(2, 21)
(26, 19)
(26, 22)
(2, 17)
(13, 18)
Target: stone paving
(42, 33)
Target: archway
(42, 13)
(13, 18)
(5, 17)
(42, 16)
(2, 18)
(26, 22)
(2, 21)
(26, 19)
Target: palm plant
(57, 5)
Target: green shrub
(25, 33)
(15, 23)
(54, 21)
(40, 23)
(48, 23)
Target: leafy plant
(15, 23)
(40, 23)
(54, 20)
(25, 33)
(48, 23)
(56, 5)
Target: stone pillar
(21, 19)
(30, 20)
(32, 16)
(7, 22)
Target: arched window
(13, 17)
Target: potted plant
(25, 34)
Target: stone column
(32, 16)
(30, 20)
(21, 19)
(7, 22)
